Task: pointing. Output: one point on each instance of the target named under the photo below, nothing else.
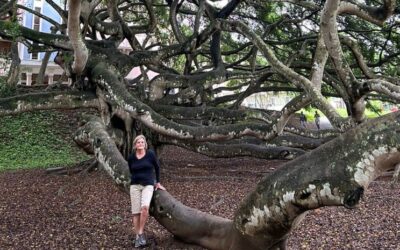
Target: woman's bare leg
(144, 215)
(136, 223)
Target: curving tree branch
(81, 53)
(280, 200)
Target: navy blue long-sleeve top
(142, 170)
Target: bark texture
(327, 176)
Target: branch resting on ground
(335, 174)
(323, 177)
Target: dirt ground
(87, 211)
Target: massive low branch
(335, 174)
(47, 101)
(94, 138)
(240, 149)
(103, 75)
(323, 177)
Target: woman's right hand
(159, 186)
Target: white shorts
(140, 197)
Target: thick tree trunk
(191, 225)
(94, 138)
(81, 53)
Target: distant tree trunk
(13, 74)
(42, 71)
(45, 62)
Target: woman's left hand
(159, 186)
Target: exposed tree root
(396, 175)
(83, 167)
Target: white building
(31, 62)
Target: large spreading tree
(207, 57)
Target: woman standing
(143, 164)
(317, 119)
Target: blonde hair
(137, 138)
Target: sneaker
(137, 241)
(142, 240)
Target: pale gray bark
(267, 215)
(47, 101)
(74, 33)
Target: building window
(36, 27)
(36, 23)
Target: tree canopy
(208, 57)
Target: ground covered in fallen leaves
(87, 211)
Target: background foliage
(39, 139)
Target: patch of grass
(371, 114)
(33, 140)
(342, 112)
